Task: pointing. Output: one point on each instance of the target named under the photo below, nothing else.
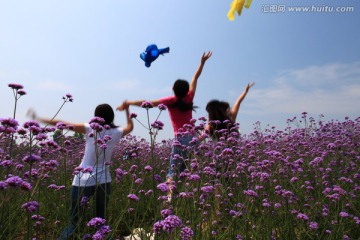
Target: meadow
(301, 182)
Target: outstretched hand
(249, 86)
(205, 56)
(123, 106)
(31, 114)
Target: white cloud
(332, 89)
(322, 75)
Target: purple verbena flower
(146, 105)
(31, 206)
(163, 187)
(15, 86)
(343, 214)
(119, 174)
(133, 115)
(148, 168)
(14, 181)
(8, 125)
(95, 222)
(87, 170)
(157, 125)
(157, 177)
(186, 233)
(133, 197)
(162, 107)
(21, 92)
(313, 225)
(157, 227)
(166, 212)
(68, 97)
(250, 193)
(186, 194)
(33, 127)
(3, 185)
(194, 177)
(104, 230)
(31, 158)
(302, 216)
(171, 222)
(207, 189)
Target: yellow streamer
(237, 6)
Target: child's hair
(106, 112)
(218, 111)
(181, 88)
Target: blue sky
(300, 61)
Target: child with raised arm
(180, 107)
(93, 174)
(221, 116)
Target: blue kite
(151, 53)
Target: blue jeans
(177, 165)
(101, 193)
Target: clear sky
(300, 61)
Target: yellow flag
(248, 3)
(237, 6)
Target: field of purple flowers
(302, 182)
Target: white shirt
(97, 159)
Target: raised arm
(130, 125)
(235, 109)
(137, 103)
(197, 74)
(78, 127)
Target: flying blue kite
(151, 53)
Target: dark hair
(106, 112)
(218, 111)
(181, 88)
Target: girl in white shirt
(92, 177)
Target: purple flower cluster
(167, 225)
(31, 206)
(162, 107)
(186, 233)
(166, 212)
(207, 189)
(133, 115)
(302, 216)
(68, 98)
(250, 193)
(16, 181)
(163, 187)
(97, 123)
(31, 158)
(17, 88)
(147, 105)
(8, 125)
(33, 127)
(96, 222)
(102, 233)
(157, 125)
(55, 187)
(133, 197)
(119, 174)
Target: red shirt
(178, 118)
